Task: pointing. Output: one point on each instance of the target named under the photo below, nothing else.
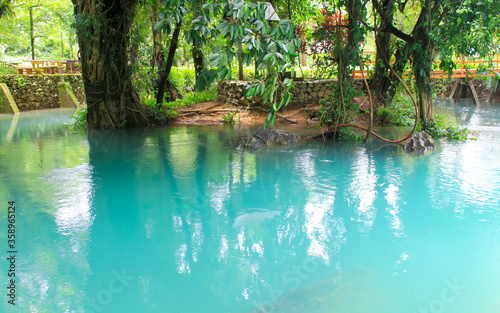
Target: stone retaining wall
(35, 92)
(309, 91)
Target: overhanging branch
(396, 32)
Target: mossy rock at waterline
(420, 142)
(268, 137)
(7, 103)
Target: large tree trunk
(422, 61)
(381, 82)
(164, 86)
(354, 37)
(102, 28)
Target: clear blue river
(183, 220)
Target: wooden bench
(21, 69)
(41, 67)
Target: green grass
(162, 114)
(193, 98)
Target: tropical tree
(103, 34)
(442, 29)
(273, 46)
(43, 29)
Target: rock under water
(305, 299)
(341, 295)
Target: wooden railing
(466, 67)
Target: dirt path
(214, 111)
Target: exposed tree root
(204, 111)
(277, 116)
(333, 129)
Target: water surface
(180, 219)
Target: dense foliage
(139, 54)
(41, 28)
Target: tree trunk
(381, 82)
(164, 85)
(425, 100)
(32, 33)
(111, 100)
(158, 58)
(402, 58)
(422, 61)
(354, 37)
(198, 61)
(134, 54)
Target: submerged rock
(270, 136)
(327, 295)
(420, 142)
(302, 300)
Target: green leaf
(284, 47)
(250, 92)
(267, 56)
(272, 47)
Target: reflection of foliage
(348, 134)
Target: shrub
(80, 118)
(229, 118)
(7, 70)
(194, 98)
(399, 113)
(439, 128)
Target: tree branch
(396, 32)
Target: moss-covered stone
(66, 97)
(34, 92)
(7, 103)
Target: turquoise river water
(183, 220)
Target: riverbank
(217, 112)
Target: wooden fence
(465, 67)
